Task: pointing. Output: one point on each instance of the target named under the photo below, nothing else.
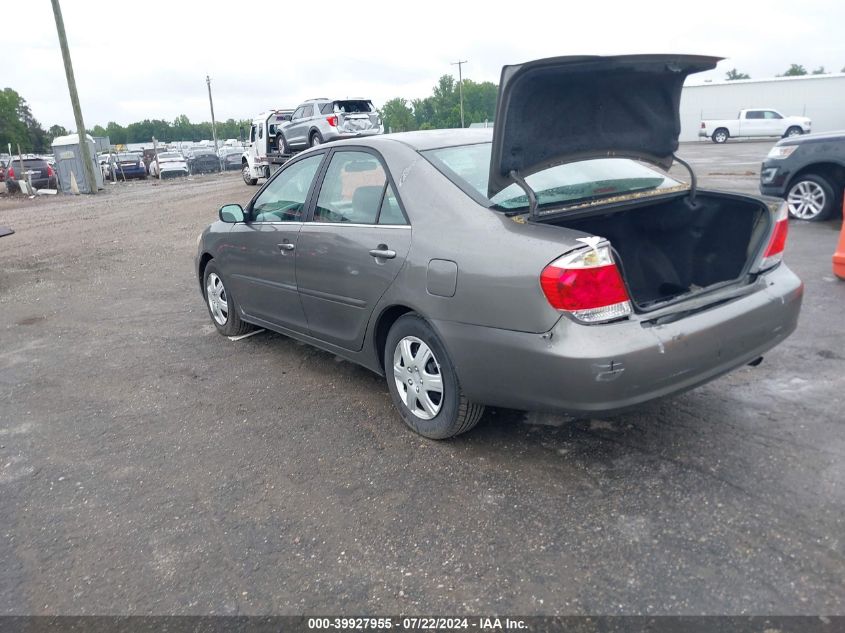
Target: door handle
(383, 253)
(286, 246)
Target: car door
(260, 258)
(753, 124)
(351, 249)
(295, 133)
(773, 122)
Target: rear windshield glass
(125, 157)
(170, 156)
(353, 107)
(468, 166)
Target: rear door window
(352, 190)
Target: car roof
(434, 139)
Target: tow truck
(264, 155)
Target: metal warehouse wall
(820, 97)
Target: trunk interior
(669, 249)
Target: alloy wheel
(806, 200)
(418, 377)
(218, 302)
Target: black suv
(808, 172)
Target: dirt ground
(150, 466)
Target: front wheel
(423, 383)
(793, 131)
(810, 198)
(221, 305)
(247, 175)
(720, 136)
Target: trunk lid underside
(565, 109)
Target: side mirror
(231, 213)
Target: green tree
(795, 70)
(56, 131)
(397, 116)
(12, 128)
(116, 133)
(733, 74)
(819, 71)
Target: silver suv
(322, 120)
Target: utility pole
(459, 64)
(87, 159)
(213, 123)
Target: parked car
(755, 122)
(127, 165)
(41, 174)
(3, 163)
(230, 157)
(541, 274)
(203, 161)
(322, 120)
(809, 173)
(172, 165)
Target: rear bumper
(581, 369)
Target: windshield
(469, 165)
(127, 157)
(170, 156)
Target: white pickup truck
(754, 122)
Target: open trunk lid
(565, 109)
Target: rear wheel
(247, 175)
(221, 305)
(282, 145)
(794, 131)
(810, 198)
(315, 139)
(720, 136)
(423, 383)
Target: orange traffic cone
(839, 255)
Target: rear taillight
(777, 242)
(702, 125)
(50, 172)
(588, 285)
(11, 172)
(332, 120)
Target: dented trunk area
(670, 249)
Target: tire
(793, 131)
(436, 415)
(720, 136)
(247, 175)
(223, 315)
(283, 146)
(315, 139)
(811, 198)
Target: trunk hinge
(693, 185)
(532, 198)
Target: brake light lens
(332, 120)
(777, 242)
(588, 285)
(11, 172)
(50, 172)
(702, 125)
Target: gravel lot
(150, 466)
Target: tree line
(794, 70)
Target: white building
(819, 97)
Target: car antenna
(693, 185)
(532, 197)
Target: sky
(131, 65)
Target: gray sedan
(532, 266)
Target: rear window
(351, 106)
(468, 166)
